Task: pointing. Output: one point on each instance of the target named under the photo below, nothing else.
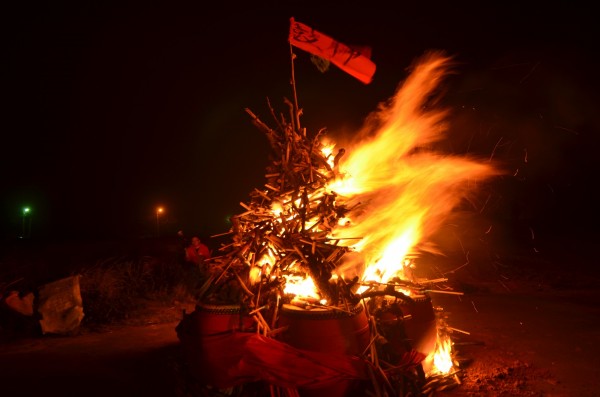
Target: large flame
(401, 189)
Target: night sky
(112, 110)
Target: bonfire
(314, 292)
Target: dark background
(114, 109)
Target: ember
(315, 292)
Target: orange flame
(401, 189)
(440, 361)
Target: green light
(26, 233)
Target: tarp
(233, 357)
(60, 306)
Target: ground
(527, 333)
(528, 344)
(533, 333)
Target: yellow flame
(255, 274)
(262, 266)
(440, 361)
(301, 286)
(400, 188)
(276, 208)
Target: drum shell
(327, 331)
(200, 334)
(420, 325)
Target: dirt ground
(533, 324)
(532, 332)
(528, 344)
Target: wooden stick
(246, 290)
(444, 292)
(458, 330)
(259, 309)
(262, 194)
(278, 331)
(275, 312)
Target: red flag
(354, 61)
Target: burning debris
(315, 293)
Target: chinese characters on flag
(353, 61)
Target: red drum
(410, 329)
(421, 326)
(203, 335)
(215, 319)
(327, 331)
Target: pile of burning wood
(255, 329)
(289, 222)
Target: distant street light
(159, 211)
(26, 211)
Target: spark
(495, 147)
(530, 73)
(567, 129)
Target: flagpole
(296, 111)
